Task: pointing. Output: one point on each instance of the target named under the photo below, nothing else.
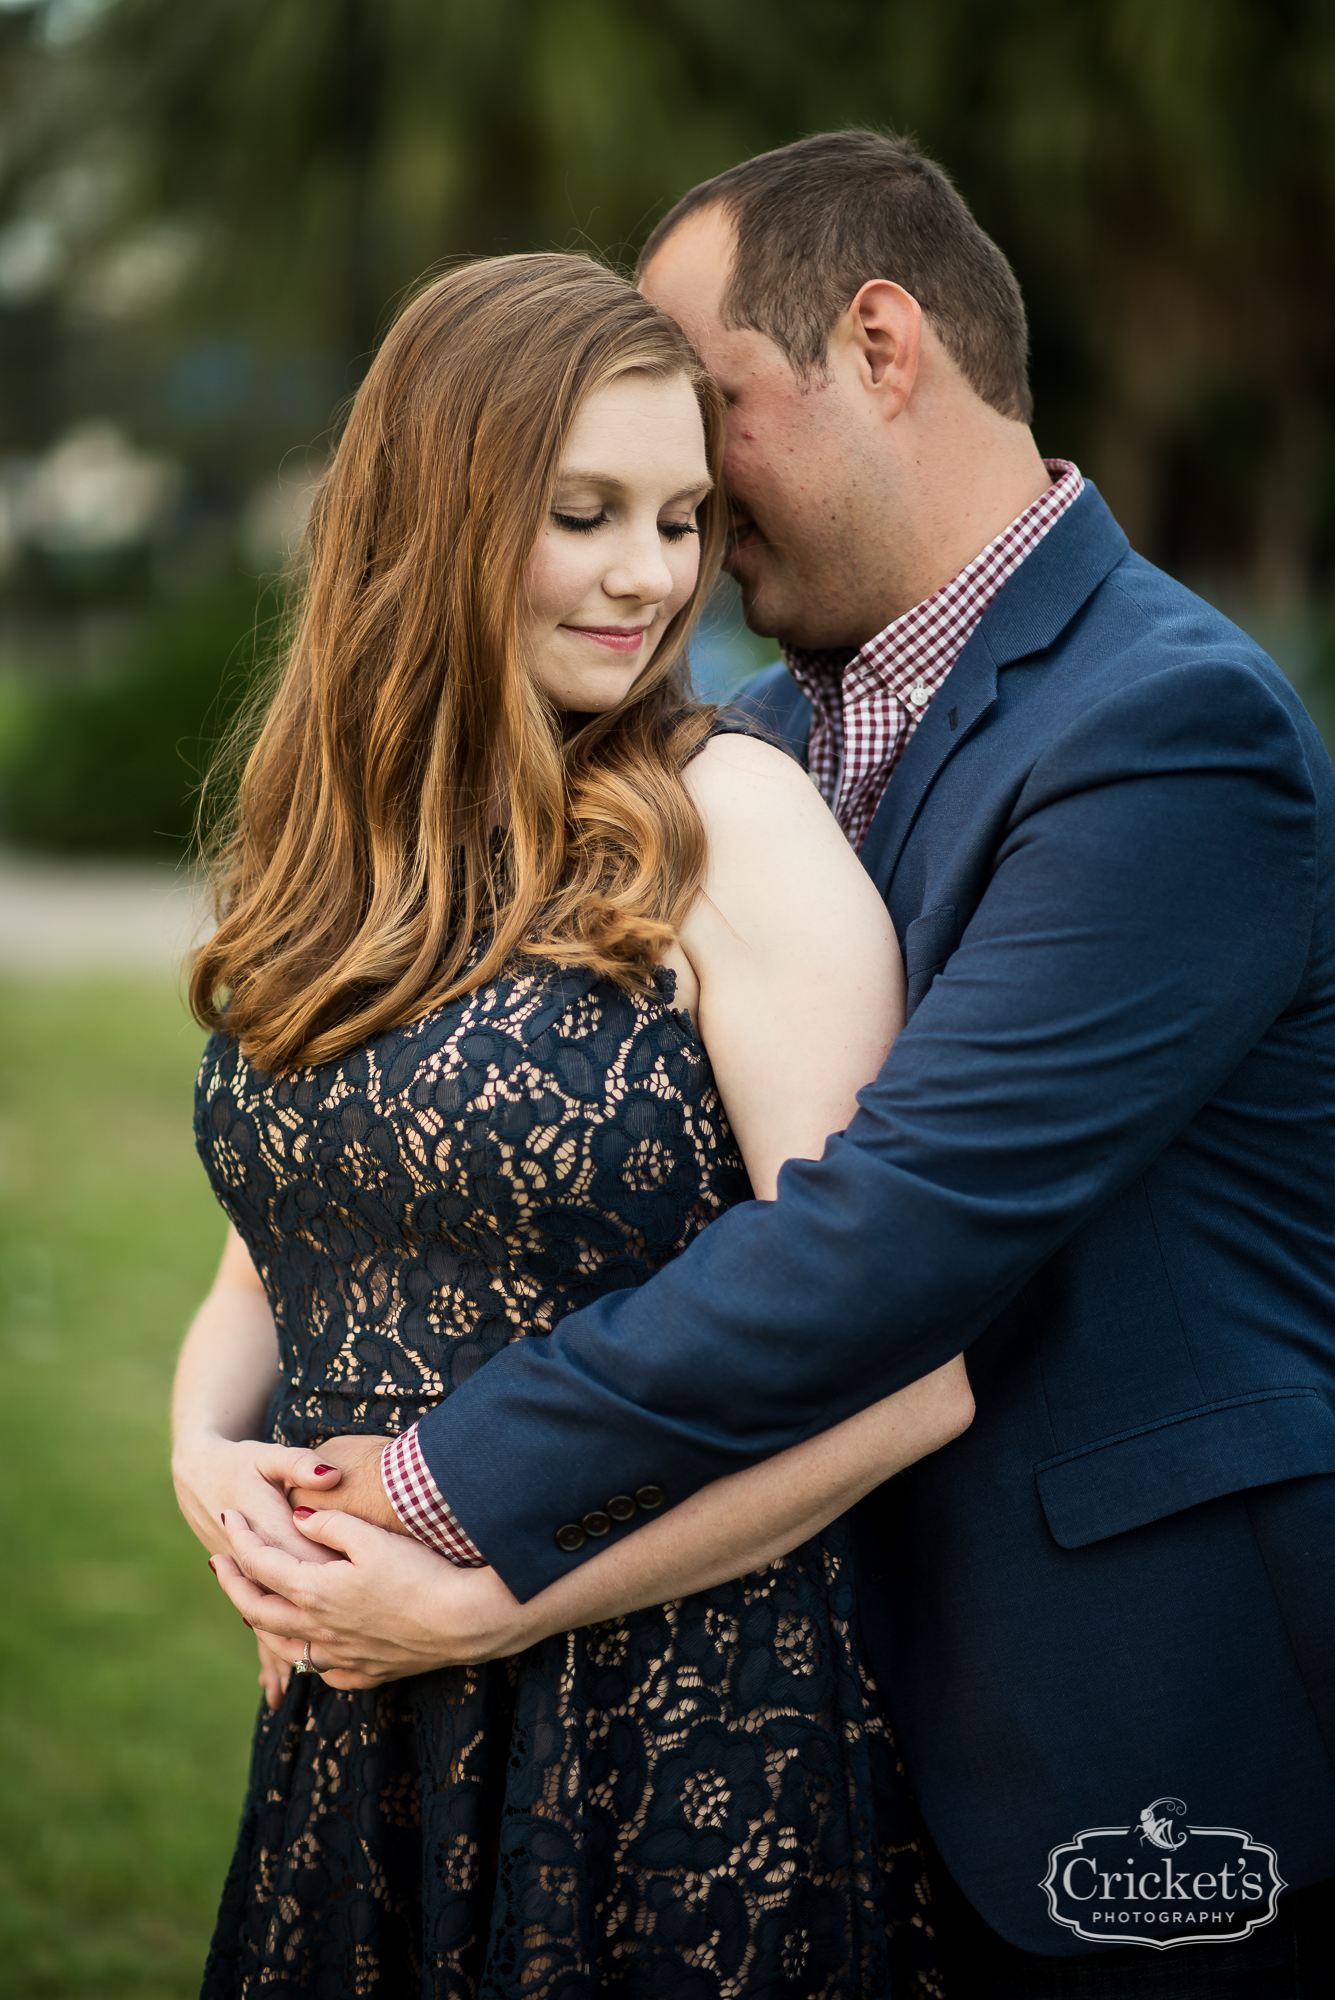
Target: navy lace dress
(699, 1802)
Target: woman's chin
(593, 697)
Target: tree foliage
(1159, 171)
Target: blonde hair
(361, 862)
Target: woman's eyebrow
(701, 487)
(573, 475)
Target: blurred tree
(1158, 169)
(207, 212)
(1164, 165)
(118, 765)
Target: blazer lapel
(965, 696)
(1025, 617)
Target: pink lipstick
(618, 638)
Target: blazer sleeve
(1148, 915)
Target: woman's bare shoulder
(727, 761)
(746, 787)
(776, 851)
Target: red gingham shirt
(864, 711)
(420, 1504)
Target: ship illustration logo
(1156, 1824)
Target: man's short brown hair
(817, 219)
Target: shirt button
(596, 1523)
(649, 1497)
(570, 1537)
(919, 696)
(621, 1506)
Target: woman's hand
(215, 1474)
(226, 1377)
(391, 1608)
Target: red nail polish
(320, 1470)
(302, 1512)
(211, 1565)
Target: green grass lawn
(128, 1681)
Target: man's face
(799, 464)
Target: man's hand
(360, 1489)
(389, 1608)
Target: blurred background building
(208, 211)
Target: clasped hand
(311, 1550)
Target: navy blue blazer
(1100, 1157)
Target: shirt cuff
(420, 1504)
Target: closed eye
(584, 524)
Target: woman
(512, 1009)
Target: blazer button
(621, 1506)
(570, 1537)
(649, 1497)
(596, 1523)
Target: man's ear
(881, 332)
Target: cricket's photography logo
(1162, 1882)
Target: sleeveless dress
(698, 1802)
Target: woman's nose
(640, 569)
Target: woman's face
(619, 554)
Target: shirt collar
(918, 649)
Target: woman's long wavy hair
(362, 858)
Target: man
(1099, 1155)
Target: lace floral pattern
(698, 1801)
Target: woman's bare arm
(788, 960)
(227, 1373)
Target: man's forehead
(689, 277)
(689, 273)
